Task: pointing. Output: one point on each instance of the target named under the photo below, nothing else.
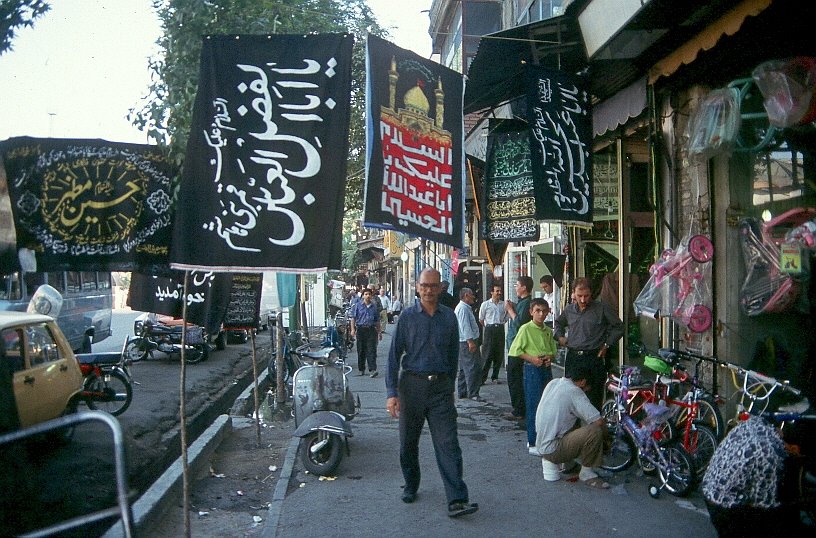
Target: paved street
(503, 478)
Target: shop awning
(618, 109)
(495, 74)
(728, 24)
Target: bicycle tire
(680, 477)
(668, 433)
(116, 386)
(708, 414)
(701, 445)
(621, 452)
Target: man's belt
(495, 325)
(426, 376)
(365, 326)
(582, 352)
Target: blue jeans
(535, 379)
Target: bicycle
(693, 414)
(754, 392)
(674, 465)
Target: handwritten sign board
(244, 301)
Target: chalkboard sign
(244, 302)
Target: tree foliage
(16, 14)
(166, 114)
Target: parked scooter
(157, 336)
(323, 406)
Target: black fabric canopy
(496, 73)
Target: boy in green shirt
(535, 344)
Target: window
(88, 281)
(10, 339)
(779, 179)
(74, 282)
(57, 281)
(40, 345)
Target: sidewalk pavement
(514, 500)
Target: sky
(84, 65)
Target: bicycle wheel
(663, 435)
(701, 444)
(678, 473)
(621, 452)
(116, 392)
(708, 414)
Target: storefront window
(518, 264)
(779, 179)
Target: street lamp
(404, 258)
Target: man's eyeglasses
(426, 286)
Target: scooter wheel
(195, 354)
(325, 461)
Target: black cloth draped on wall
(560, 121)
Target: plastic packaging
(788, 89)
(714, 125)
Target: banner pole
(255, 378)
(185, 471)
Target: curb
(153, 504)
(270, 529)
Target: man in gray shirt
(593, 329)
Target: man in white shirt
(548, 288)
(385, 301)
(470, 361)
(557, 440)
(493, 316)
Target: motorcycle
(107, 384)
(158, 336)
(323, 406)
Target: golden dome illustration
(416, 101)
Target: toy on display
(679, 286)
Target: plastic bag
(680, 285)
(788, 88)
(714, 125)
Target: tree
(167, 111)
(15, 14)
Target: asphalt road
(79, 477)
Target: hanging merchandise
(680, 285)
(774, 262)
(788, 89)
(713, 126)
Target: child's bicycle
(694, 416)
(674, 465)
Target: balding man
(426, 347)
(470, 360)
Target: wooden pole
(257, 397)
(185, 478)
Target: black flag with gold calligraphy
(265, 167)
(90, 205)
(414, 151)
(509, 193)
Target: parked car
(40, 378)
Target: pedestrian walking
(470, 360)
(385, 302)
(492, 317)
(534, 344)
(365, 327)
(396, 309)
(420, 378)
(593, 329)
(519, 315)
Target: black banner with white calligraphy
(560, 119)
(243, 311)
(414, 153)
(207, 296)
(265, 168)
(90, 205)
(509, 198)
